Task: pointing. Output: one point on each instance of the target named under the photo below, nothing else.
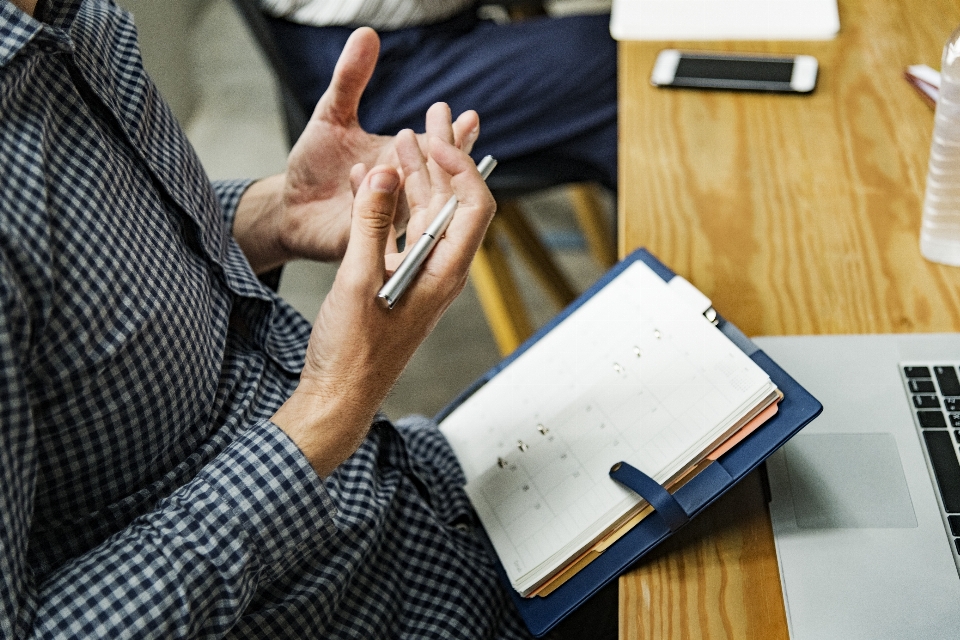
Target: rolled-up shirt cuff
(274, 494)
(229, 192)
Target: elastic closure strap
(651, 491)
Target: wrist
(326, 430)
(257, 224)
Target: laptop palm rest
(860, 542)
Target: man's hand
(305, 213)
(358, 347)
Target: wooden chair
(492, 273)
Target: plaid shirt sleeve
(115, 519)
(229, 192)
(17, 464)
(187, 568)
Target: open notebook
(637, 373)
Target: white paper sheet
(635, 374)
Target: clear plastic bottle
(940, 229)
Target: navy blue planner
(796, 409)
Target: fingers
(439, 122)
(341, 100)
(413, 165)
(374, 207)
(357, 173)
(468, 185)
(439, 125)
(474, 211)
(416, 186)
(446, 267)
(422, 195)
(428, 190)
(466, 130)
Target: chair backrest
(295, 118)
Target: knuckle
(377, 215)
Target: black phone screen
(737, 69)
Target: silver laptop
(866, 499)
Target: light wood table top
(795, 215)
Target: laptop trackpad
(848, 481)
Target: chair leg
(495, 283)
(538, 259)
(589, 209)
(499, 295)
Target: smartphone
(700, 70)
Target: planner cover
(700, 486)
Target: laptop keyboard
(934, 392)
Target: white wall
(166, 29)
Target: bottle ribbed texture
(940, 229)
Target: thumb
(339, 103)
(374, 208)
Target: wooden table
(796, 215)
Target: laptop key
(947, 379)
(952, 404)
(926, 402)
(955, 420)
(954, 524)
(957, 436)
(946, 468)
(922, 386)
(916, 372)
(932, 419)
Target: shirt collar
(59, 13)
(17, 28)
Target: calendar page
(634, 374)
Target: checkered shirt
(143, 490)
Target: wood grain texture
(795, 215)
(712, 579)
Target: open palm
(318, 196)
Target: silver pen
(410, 267)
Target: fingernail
(385, 182)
